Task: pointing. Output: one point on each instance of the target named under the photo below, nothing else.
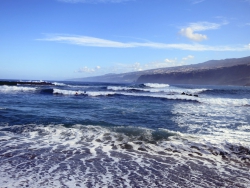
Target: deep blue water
(74, 134)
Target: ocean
(74, 134)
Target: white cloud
(122, 68)
(167, 63)
(88, 70)
(87, 41)
(197, 1)
(170, 60)
(98, 42)
(93, 1)
(188, 57)
(202, 26)
(189, 31)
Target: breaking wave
(91, 156)
(10, 89)
(171, 94)
(168, 90)
(133, 138)
(58, 84)
(155, 85)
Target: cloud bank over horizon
(137, 66)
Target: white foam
(164, 96)
(103, 165)
(100, 93)
(170, 90)
(8, 89)
(107, 93)
(79, 86)
(168, 93)
(68, 92)
(226, 101)
(156, 85)
(120, 88)
(59, 84)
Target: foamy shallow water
(104, 135)
(91, 156)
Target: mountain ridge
(190, 72)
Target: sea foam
(8, 89)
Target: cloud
(120, 68)
(98, 42)
(169, 60)
(93, 1)
(202, 26)
(199, 26)
(189, 33)
(123, 68)
(166, 63)
(87, 41)
(197, 1)
(88, 70)
(188, 57)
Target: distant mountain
(234, 71)
(233, 75)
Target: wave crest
(155, 85)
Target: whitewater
(74, 134)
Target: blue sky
(63, 39)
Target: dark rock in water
(198, 153)
(8, 83)
(32, 156)
(98, 140)
(114, 147)
(162, 153)
(195, 147)
(189, 94)
(175, 151)
(142, 149)
(126, 146)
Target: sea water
(74, 134)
